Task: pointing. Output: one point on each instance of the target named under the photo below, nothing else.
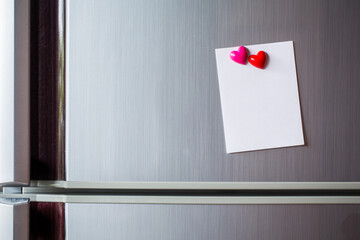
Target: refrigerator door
(14, 92)
(212, 222)
(142, 96)
(14, 219)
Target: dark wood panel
(47, 88)
(47, 221)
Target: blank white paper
(260, 107)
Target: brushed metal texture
(353, 186)
(205, 222)
(142, 93)
(14, 91)
(14, 219)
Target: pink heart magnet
(239, 56)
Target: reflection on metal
(14, 92)
(61, 88)
(12, 190)
(201, 185)
(228, 222)
(14, 219)
(191, 192)
(143, 97)
(135, 199)
(13, 201)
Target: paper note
(260, 107)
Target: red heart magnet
(258, 60)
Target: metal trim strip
(201, 185)
(183, 200)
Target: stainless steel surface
(81, 196)
(142, 93)
(14, 92)
(7, 90)
(135, 222)
(12, 190)
(14, 219)
(76, 197)
(56, 185)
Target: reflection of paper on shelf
(260, 108)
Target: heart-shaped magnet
(258, 60)
(240, 55)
